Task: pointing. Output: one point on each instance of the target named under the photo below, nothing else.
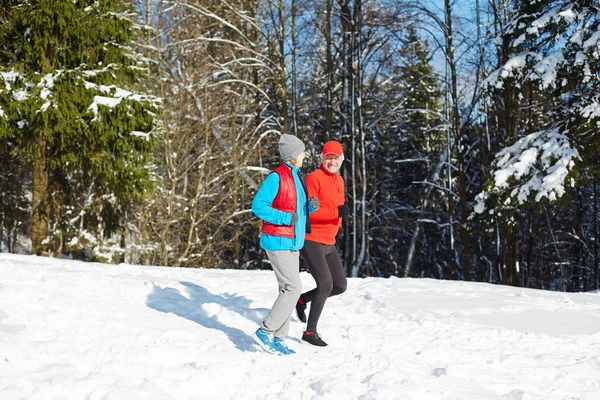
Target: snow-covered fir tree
(557, 48)
(69, 108)
(553, 54)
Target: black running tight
(325, 265)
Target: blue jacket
(261, 206)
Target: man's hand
(314, 202)
(343, 211)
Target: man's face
(332, 162)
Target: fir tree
(68, 104)
(408, 147)
(551, 59)
(556, 49)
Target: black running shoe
(301, 311)
(314, 339)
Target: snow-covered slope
(71, 330)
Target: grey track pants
(286, 265)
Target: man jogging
(319, 252)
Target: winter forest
(139, 131)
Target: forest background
(140, 131)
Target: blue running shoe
(265, 340)
(282, 347)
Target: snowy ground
(70, 330)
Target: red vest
(284, 201)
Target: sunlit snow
(71, 330)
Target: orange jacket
(324, 222)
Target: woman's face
(297, 162)
(332, 162)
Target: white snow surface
(73, 330)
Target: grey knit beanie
(290, 147)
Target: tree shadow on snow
(170, 300)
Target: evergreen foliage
(405, 86)
(406, 145)
(70, 110)
(557, 48)
(550, 69)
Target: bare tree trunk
(148, 24)
(499, 251)
(172, 175)
(348, 131)
(464, 229)
(510, 262)
(13, 246)
(530, 235)
(483, 74)
(506, 277)
(282, 77)
(195, 219)
(361, 134)
(235, 207)
(511, 259)
(164, 246)
(428, 190)
(456, 129)
(329, 71)
(450, 107)
(40, 207)
(294, 76)
(516, 255)
(579, 275)
(57, 232)
(595, 235)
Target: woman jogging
(282, 203)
